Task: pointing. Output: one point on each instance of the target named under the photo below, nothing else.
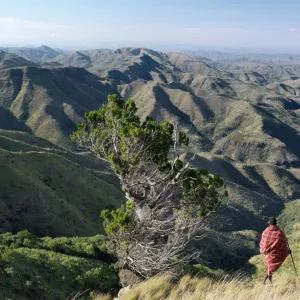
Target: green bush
(94, 247)
(46, 268)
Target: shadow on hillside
(9, 122)
(164, 101)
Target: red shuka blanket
(274, 245)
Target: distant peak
(136, 51)
(181, 55)
(78, 53)
(46, 48)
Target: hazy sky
(272, 24)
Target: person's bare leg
(267, 276)
(270, 278)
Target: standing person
(275, 247)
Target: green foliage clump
(94, 247)
(36, 268)
(117, 125)
(99, 278)
(203, 271)
(119, 219)
(21, 239)
(199, 184)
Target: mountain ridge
(36, 55)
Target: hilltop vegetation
(33, 268)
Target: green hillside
(50, 195)
(50, 102)
(33, 268)
(18, 141)
(44, 187)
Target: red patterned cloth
(274, 245)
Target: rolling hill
(50, 102)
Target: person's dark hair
(273, 221)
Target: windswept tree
(166, 200)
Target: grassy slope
(17, 141)
(51, 195)
(58, 279)
(191, 288)
(34, 269)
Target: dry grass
(188, 288)
(80, 296)
(103, 297)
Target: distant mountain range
(10, 60)
(241, 113)
(242, 56)
(36, 55)
(45, 53)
